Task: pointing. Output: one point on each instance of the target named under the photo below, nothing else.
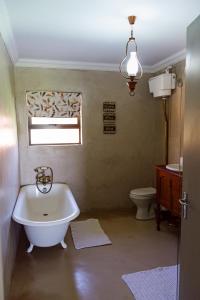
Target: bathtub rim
(27, 222)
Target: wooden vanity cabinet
(168, 186)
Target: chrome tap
(42, 178)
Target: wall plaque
(109, 117)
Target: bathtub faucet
(41, 177)
(44, 176)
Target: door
(1, 273)
(190, 227)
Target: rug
(88, 233)
(154, 284)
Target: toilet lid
(143, 191)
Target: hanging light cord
(132, 31)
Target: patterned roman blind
(53, 104)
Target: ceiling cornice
(59, 64)
(6, 32)
(72, 65)
(171, 60)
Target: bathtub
(45, 217)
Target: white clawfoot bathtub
(45, 217)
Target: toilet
(144, 199)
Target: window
(54, 118)
(44, 130)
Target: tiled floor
(93, 273)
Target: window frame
(54, 126)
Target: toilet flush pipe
(166, 130)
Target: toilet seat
(143, 192)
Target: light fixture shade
(130, 66)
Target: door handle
(184, 205)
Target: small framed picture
(109, 117)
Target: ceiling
(96, 31)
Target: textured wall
(9, 175)
(102, 171)
(176, 109)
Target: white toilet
(144, 199)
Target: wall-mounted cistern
(44, 179)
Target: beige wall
(176, 108)
(102, 171)
(9, 175)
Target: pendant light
(130, 67)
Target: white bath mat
(88, 233)
(155, 284)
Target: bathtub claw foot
(30, 248)
(63, 244)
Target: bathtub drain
(45, 215)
